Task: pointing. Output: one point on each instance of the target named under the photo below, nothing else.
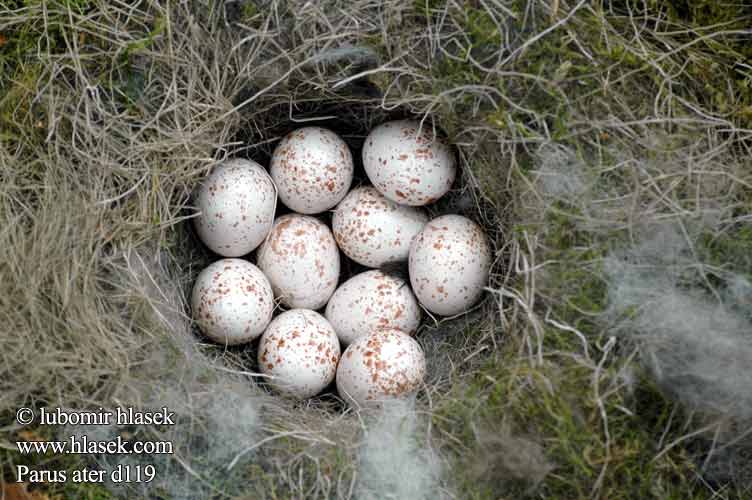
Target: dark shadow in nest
(352, 114)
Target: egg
(232, 301)
(300, 351)
(369, 301)
(236, 203)
(301, 260)
(408, 166)
(384, 364)
(313, 169)
(449, 264)
(373, 230)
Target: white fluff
(698, 344)
(394, 463)
(560, 173)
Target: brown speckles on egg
(300, 249)
(369, 300)
(301, 260)
(421, 167)
(373, 230)
(278, 230)
(312, 169)
(423, 154)
(306, 351)
(228, 225)
(372, 367)
(223, 311)
(449, 264)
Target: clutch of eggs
(373, 314)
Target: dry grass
(578, 124)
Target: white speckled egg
(373, 230)
(369, 301)
(408, 167)
(449, 264)
(236, 203)
(301, 260)
(384, 364)
(300, 351)
(232, 301)
(312, 168)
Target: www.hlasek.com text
(79, 445)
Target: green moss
(19, 115)
(559, 408)
(729, 250)
(132, 48)
(558, 404)
(324, 465)
(718, 59)
(573, 281)
(576, 76)
(21, 68)
(703, 12)
(481, 28)
(555, 403)
(249, 10)
(427, 8)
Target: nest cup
(352, 115)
